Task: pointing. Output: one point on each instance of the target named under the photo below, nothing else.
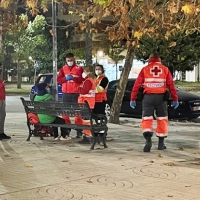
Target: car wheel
(193, 118)
(107, 109)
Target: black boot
(147, 135)
(161, 145)
(85, 140)
(4, 136)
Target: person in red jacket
(156, 80)
(87, 93)
(88, 89)
(70, 77)
(2, 110)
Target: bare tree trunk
(117, 102)
(116, 71)
(19, 76)
(88, 45)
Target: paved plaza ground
(67, 170)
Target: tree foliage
(133, 18)
(20, 42)
(16, 39)
(114, 52)
(179, 52)
(36, 42)
(43, 53)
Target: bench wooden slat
(74, 126)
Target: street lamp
(99, 54)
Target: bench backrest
(57, 108)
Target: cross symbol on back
(155, 71)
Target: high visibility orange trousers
(79, 120)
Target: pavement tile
(60, 170)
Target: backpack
(43, 131)
(33, 118)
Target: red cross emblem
(155, 71)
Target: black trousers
(64, 131)
(70, 97)
(67, 97)
(153, 102)
(99, 108)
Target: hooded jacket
(45, 119)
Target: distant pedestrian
(70, 77)
(2, 110)
(156, 80)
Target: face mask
(98, 72)
(70, 63)
(48, 90)
(84, 74)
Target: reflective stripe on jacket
(90, 97)
(100, 96)
(155, 78)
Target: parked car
(46, 78)
(189, 104)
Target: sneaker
(4, 136)
(101, 131)
(65, 138)
(57, 138)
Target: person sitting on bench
(43, 95)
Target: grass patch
(195, 92)
(17, 91)
(185, 83)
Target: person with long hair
(101, 82)
(87, 93)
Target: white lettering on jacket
(154, 85)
